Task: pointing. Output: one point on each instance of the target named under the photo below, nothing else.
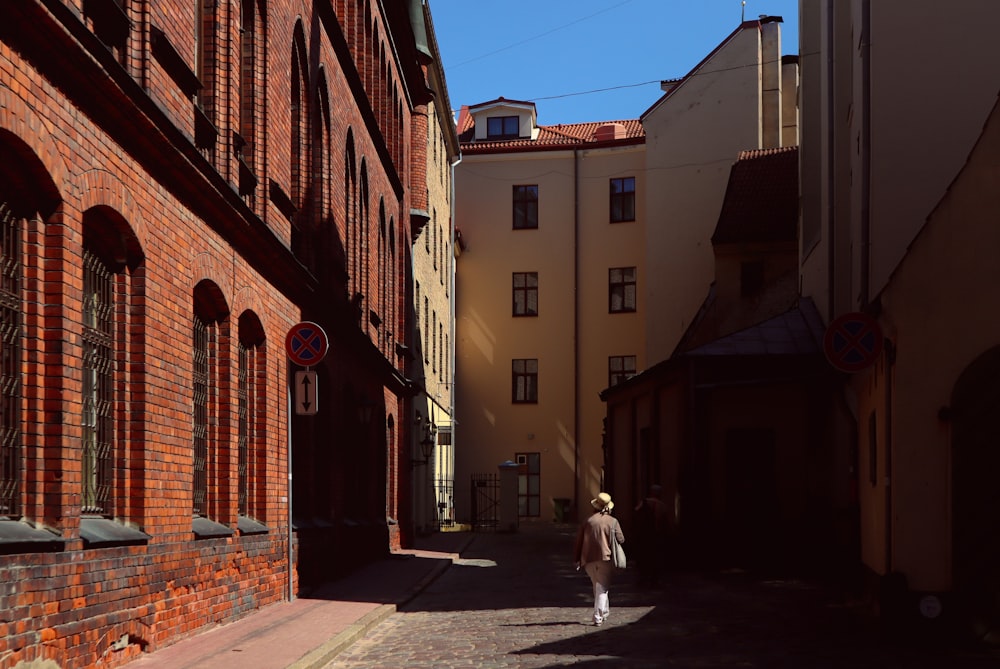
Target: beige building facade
(549, 308)
(742, 96)
(432, 453)
(898, 214)
(674, 162)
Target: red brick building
(183, 181)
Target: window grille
(10, 364)
(98, 385)
(246, 426)
(202, 355)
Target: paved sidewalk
(308, 632)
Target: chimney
(609, 132)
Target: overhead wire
(540, 35)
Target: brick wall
(90, 144)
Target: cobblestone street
(514, 600)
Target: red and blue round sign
(853, 342)
(306, 344)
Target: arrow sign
(305, 393)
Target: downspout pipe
(449, 473)
(576, 333)
(288, 445)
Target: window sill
(248, 526)
(20, 537)
(102, 532)
(204, 528)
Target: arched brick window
(112, 329)
(251, 390)
(210, 386)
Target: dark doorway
(976, 493)
(751, 494)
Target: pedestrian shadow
(554, 623)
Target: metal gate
(444, 492)
(485, 502)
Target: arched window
(393, 309)
(10, 372)
(364, 250)
(350, 214)
(252, 41)
(252, 419)
(321, 150)
(299, 110)
(112, 288)
(28, 197)
(383, 276)
(210, 338)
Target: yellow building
(549, 307)
(433, 257)
(899, 222)
(605, 230)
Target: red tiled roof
(549, 136)
(762, 198)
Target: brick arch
(99, 187)
(208, 267)
(19, 119)
(248, 299)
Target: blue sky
(554, 52)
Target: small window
(503, 127)
(623, 199)
(525, 207)
(620, 368)
(525, 381)
(525, 290)
(621, 289)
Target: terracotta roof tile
(762, 198)
(549, 136)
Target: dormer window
(503, 127)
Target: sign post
(306, 345)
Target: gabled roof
(755, 24)
(762, 198)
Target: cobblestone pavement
(514, 600)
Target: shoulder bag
(617, 552)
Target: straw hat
(602, 502)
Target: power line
(654, 81)
(596, 90)
(540, 35)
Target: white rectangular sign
(306, 393)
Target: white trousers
(600, 575)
